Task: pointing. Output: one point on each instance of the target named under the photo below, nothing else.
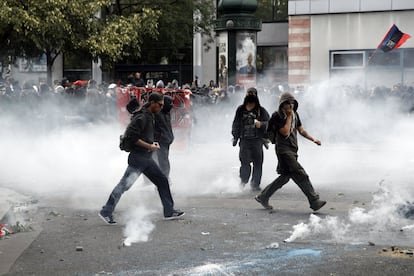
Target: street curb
(4, 210)
(12, 247)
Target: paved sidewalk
(226, 234)
(12, 246)
(4, 204)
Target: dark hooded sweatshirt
(141, 127)
(163, 132)
(243, 123)
(285, 144)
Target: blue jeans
(136, 166)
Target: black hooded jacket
(243, 123)
(163, 133)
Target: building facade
(335, 39)
(328, 39)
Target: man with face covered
(249, 126)
(285, 124)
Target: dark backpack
(125, 143)
(126, 140)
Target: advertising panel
(222, 61)
(246, 58)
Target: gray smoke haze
(77, 163)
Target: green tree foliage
(178, 21)
(32, 27)
(109, 29)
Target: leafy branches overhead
(117, 34)
(32, 27)
(109, 29)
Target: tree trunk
(49, 61)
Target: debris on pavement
(395, 251)
(273, 245)
(18, 227)
(4, 231)
(407, 227)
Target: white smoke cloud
(78, 163)
(361, 224)
(139, 225)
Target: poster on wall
(222, 61)
(33, 64)
(246, 59)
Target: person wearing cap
(141, 132)
(249, 127)
(284, 126)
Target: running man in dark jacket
(140, 131)
(284, 125)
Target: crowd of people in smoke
(87, 101)
(64, 102)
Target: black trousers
(251, 151)
(289, 168)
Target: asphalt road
(225, 234)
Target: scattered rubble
(395, 251)
(273, 245)
(407, 227)
(4, 231)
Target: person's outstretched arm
(305, 134)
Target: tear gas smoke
(361, 225)
(61, 154)
(138, 226)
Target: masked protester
(249, 127)
(284, 125)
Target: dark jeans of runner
(162, 159)
(251, 151)
(137, 165)
(288, 167)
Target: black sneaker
(107, 218)
(317, 204)
(176, 214)
(265, 203)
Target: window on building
(408, 58)
(347, 59)
(379, 58)
(273, 62)
(77, 66)
(272, 58)
(272, 10)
